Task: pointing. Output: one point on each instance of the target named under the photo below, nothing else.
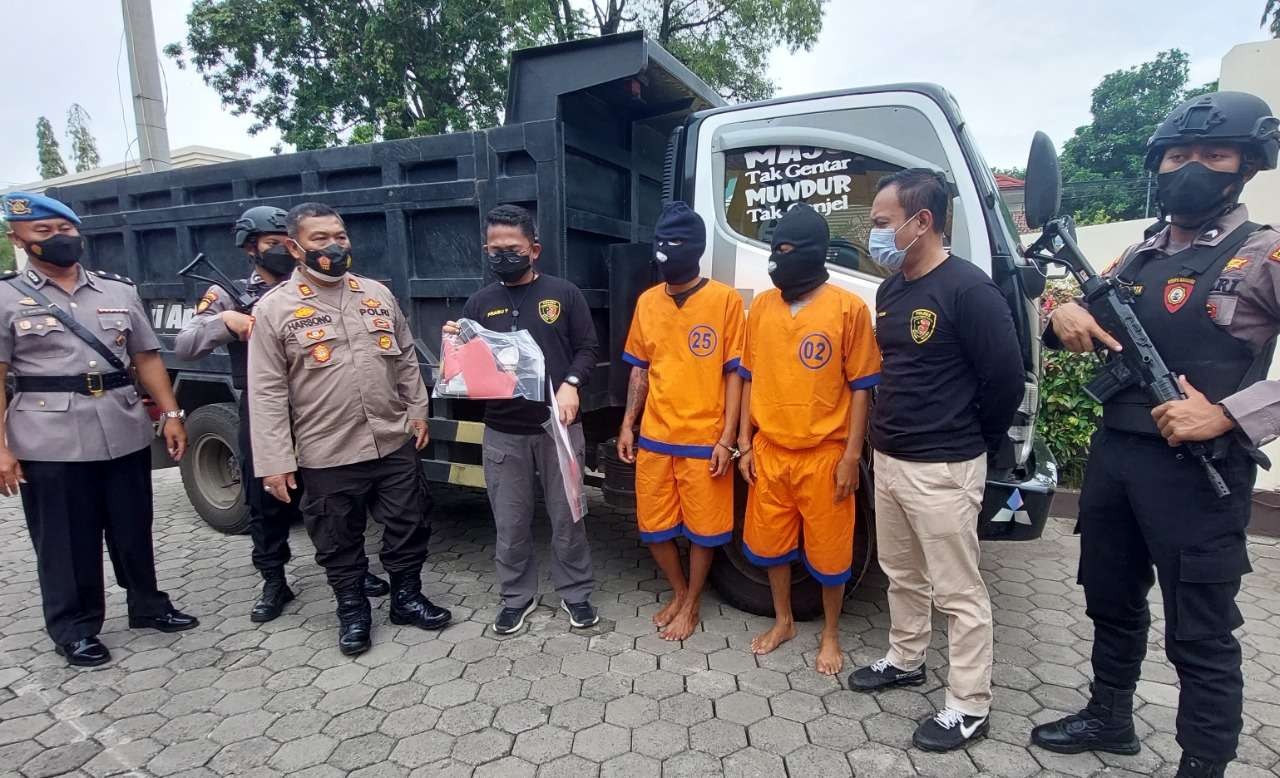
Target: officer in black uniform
(261, 233)
(1206, 286)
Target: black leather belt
(92, 384)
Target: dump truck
(597, 135)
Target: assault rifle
(1138, 363)
(242, 301)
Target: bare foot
(779, 634)
(683, 624)
(830, 657)
(663, 617)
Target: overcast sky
(1014, 67)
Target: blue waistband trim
(675, 449)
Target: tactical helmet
(258, 220)
(1219, 117)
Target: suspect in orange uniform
(810, 363)
(684, 349)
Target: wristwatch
(573, 380)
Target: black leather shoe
(410, 606)
(172, 621)
(1106, 724)
(85, 652)
(375, 586)
(1195, 767)
(355, 621)
(275, 595)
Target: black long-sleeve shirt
(556, 314)
(952, 374)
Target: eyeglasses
(494, 251)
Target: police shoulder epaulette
(113, 277)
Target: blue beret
(29, 207)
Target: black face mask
(332, 260)
(1194, 189)
(679, 263)
(60, 250)
(276, 260)
(804, 268)
(509, 265)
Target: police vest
(1170, 298)
(238, 350)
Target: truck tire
(746, 587)
(211, 468)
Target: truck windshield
(832, 161)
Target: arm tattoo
(637, 391)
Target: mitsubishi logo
(1012, 511)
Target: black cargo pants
(1143, 504)
(394, 491)
(70, 507)
(269, 518)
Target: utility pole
(144, 76)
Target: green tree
(358, 71)
(317, 71)
(1271, 18)
(84, 149)
(726, 42)
(1102, 164)
(51, 164)
(7, 259)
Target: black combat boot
(410, 606)
(1195, 767)
(1106, 724)
(355, 620)
(375, 586)
(275, 595)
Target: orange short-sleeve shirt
(804, 367)
(688, 350)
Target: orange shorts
(792, 511)
(679, 496)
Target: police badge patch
(1176, 293)
(923, 324)
(209, 298)
(384, 342)
(321, 353)
(549, 310)
(18, 207)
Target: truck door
(829, 151)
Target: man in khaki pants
(950, 384)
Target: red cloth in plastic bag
(474, 360)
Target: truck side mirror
(1043, 190)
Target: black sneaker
(882, 675)
(581, 614)
(949, 730)
(512, 619)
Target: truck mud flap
(1018, 509)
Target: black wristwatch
(573, 380)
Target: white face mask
(882, 242)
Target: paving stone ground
(234, 698)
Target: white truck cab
(741, 167)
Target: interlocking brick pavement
(234, 698)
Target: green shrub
(1067, 416)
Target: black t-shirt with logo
(952, 374)
(556, 314)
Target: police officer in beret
(259, 232)
(76, 436)
(1206, 286)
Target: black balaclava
(804, 268)
(679, 238)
